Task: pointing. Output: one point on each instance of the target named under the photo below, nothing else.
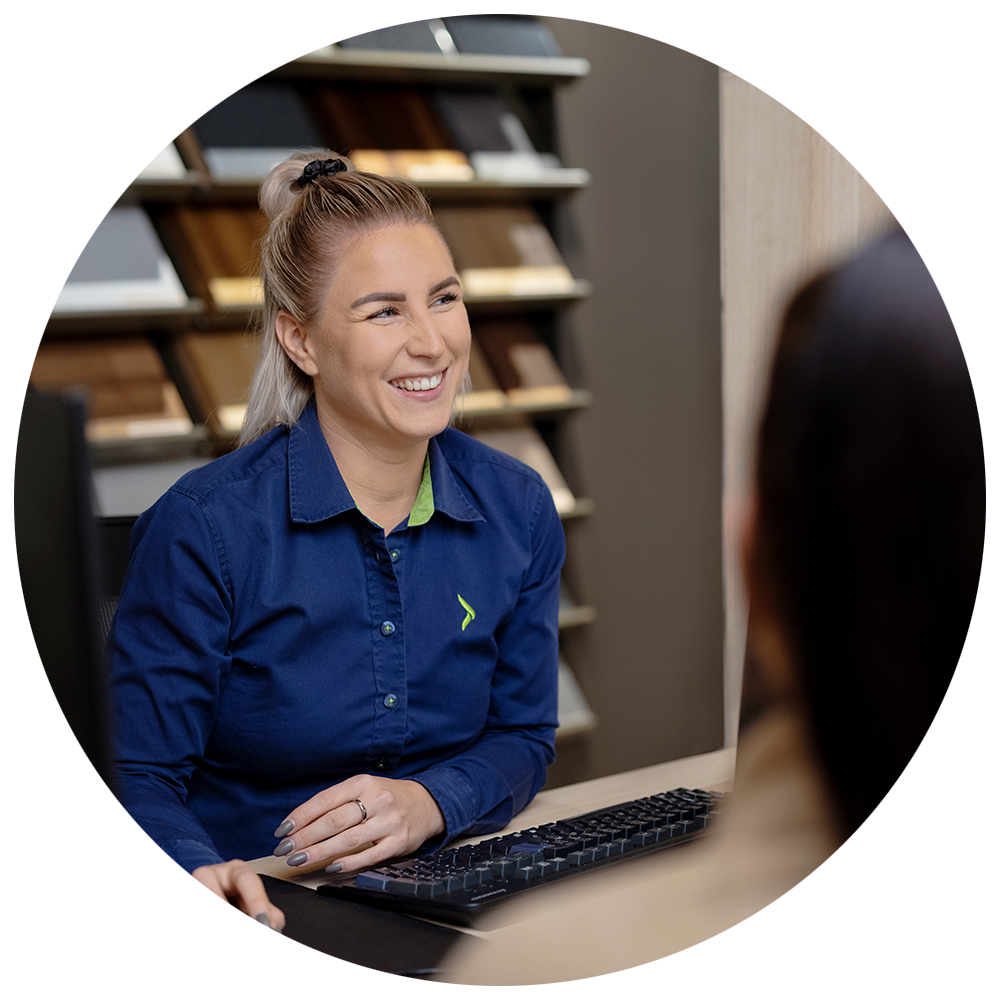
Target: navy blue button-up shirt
(271, 641)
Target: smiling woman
(343, 634)
(386, 365)
(316, 222)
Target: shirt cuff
(191, 854)
(457, 799)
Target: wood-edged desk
(402, 944)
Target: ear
(765, 635)
(746, 533)
(295, 342)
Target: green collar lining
(423, 506)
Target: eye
(446, 298)
(386, 312)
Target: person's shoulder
(267, 454)
(463, 450)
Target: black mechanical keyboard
(456, 884)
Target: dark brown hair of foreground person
(872, 505)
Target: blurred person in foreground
(861, 551)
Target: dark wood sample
(124, 382)
(525, 367)
(378, 117)
(216, 247)
(218, 366)
(503, 250)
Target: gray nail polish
(335, 867)
(285, 847)
(284, 829)
(298, 859)
(262, 917)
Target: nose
(425, 338)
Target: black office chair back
(113, 534)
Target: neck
(383, 477)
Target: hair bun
(321, 168)
(288, 179)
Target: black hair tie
(320, 168)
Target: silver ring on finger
(364, 811)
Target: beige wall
(647, 343)
(688, 163)
(791, 204)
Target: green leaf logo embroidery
(470, 613)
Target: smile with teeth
(417, 384)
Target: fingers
(322, 804)
(238, 883)
(249, 894)
(209, 876)
(347, 811)
(340, 820)
(331, 835)
(398, 816)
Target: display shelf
(507, 303)
(226, 316)
(194, 188)
(583, 507)
(575, 714)
(578, 399)
(124, 321)
(576, 615)
(378, 65)
(191, 187)
(197, 314)
(136, 450)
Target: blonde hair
(312, 226)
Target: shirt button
(381, 764)
(387, 628)
(393, 554)
(390, 701)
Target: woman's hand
(395, 815)
(241, 885)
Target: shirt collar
(317, 491)
(449, 497)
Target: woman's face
(390, 350)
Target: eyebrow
(399, 296)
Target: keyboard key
(403, 886)
(431, 888)
(372, 880)
(527, 872)
(536, 848)
(502, 867)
